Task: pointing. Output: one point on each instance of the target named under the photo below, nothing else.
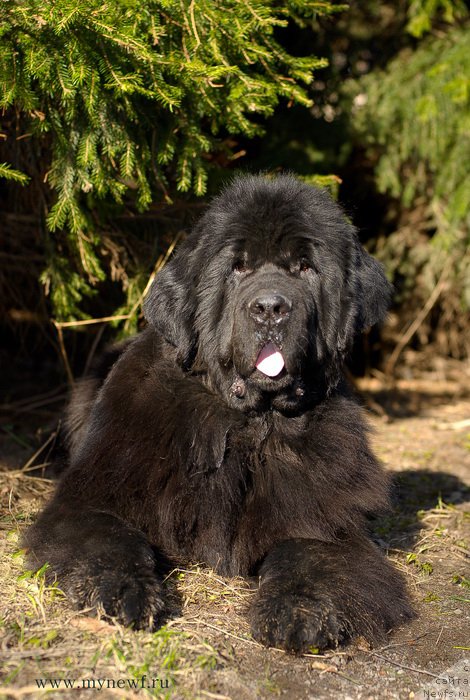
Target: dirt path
(209, 653)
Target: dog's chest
(224, 511)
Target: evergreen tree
(126, 101)
(414, 119)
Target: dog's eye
(240, 266)
(300, 267)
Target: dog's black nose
(270, 307)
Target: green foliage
(7, 172)
(425, 567)
(130, 101)
(414, 119)
(418, 114)
(422, 14)
(461, 581)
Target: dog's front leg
(99, 561)
(319, 594)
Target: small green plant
(42, 641)
(38, 590)
(431, 598)
(425, 567)
(460, 580)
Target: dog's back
(82, 397)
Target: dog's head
(268, 291)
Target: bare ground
(423, 438)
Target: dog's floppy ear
(362, 302)
(171, 303)
(373, 289)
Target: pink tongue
(270, 361)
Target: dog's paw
(133, 599)
(296, 622)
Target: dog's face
(266, 293)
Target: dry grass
(206, 650)
(41, 637)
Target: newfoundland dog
(224, 433)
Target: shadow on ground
(415, 492)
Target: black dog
(223, 433)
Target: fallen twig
(31, 460)
(409, 333)
(407, 668)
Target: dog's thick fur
(180, 449)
